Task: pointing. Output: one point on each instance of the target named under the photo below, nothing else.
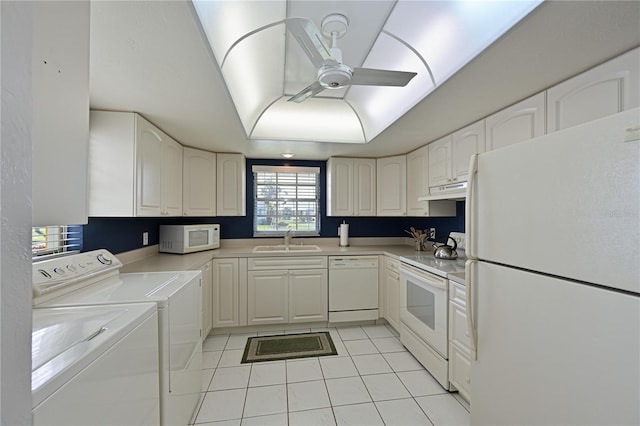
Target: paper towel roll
(344, 234)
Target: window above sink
(286, 201)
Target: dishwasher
(353, 288)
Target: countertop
(149, 259)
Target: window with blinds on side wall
(286, 199)
(51, 241)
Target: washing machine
(95, 365)
(94, 278)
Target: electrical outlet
(145, 238)
(432, 233)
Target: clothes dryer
(93, 278)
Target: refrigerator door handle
(469, 300)
(468, 216)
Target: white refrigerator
(553, 278)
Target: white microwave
(184, 239)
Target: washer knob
(104, 260)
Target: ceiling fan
(332, 73)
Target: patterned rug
(290, 346)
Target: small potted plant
(419, 237)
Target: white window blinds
(286, 199)
(50, 241)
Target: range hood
(454, 191)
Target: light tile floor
(372, 381)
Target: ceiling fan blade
(307, 92)
(310, 39)
(373, 77)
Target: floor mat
(290, 346)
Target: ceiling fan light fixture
(430, 41)
(335, 24)
(334, 76)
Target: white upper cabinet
(340, 186)
(418, 188)
(522, 121)
(172, 177)
(60, 66)
(364, 187)
(149, 156)
(198, 182)
(231, 185)
(392, 186)
(449, 156)
(134, 168)
(158, 172)
(418, 181)
(466, 142)
(603, 90)
(351, 187)
(440, 161)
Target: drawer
(392, 264)
(457, 293)
(460, 371)
(458, 328)
(286, 262)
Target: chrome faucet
(287, 237)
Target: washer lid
(66, 340)
(128, 288)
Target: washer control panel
(58, 272)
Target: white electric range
(93, 278)
(424, 309)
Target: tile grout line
(246, 393)
(286, 389)
(326, 388)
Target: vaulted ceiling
(152, 57)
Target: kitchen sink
(284, 249)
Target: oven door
(423, 306)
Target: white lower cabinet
(268, 301)
(460, 371)
(207, 288)
(308, 295)
(227, 293)
(459, 344)
(392, 292)
(279, 296)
